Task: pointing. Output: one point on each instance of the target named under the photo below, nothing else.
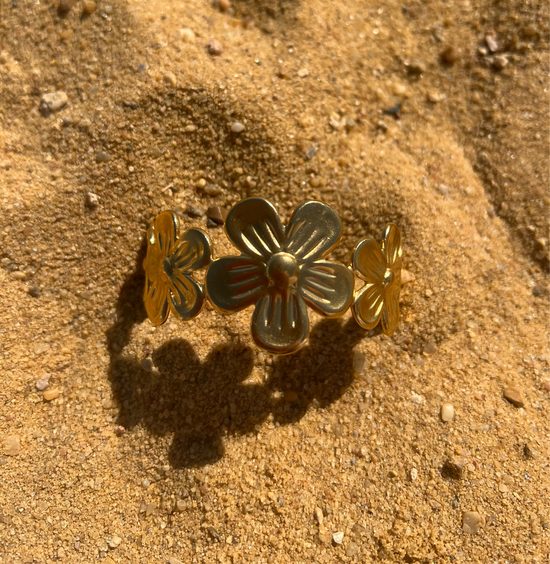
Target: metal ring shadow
(202, 402)
(320, 373)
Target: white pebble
(237, 127)
(187, 35)
(338, 537)
(447, 412)
(414, 474)
(54, 100)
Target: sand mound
(126, 443)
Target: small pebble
(66, 5)
(237, 127)
(88, 7)
(311, 152)
(454, 467)
(503, 488)
(414, 474)
(92, 200)
(108, 9)
(415, 68)
(147, 364)
(447, 412)
(491, 43)
(34, 292)
(350, 124)
(194, 211)
(52, 102)
(212, 190)
(224, 5)
(416, 398)
(546, 385)
(303, 72)
(470, 522)
(449, 55)
(430, 348)
(170, 78)
(500, 61)
(52, 394)
(514, 396)
(172, 560)
(187, 35)
(214, 47)
(201, 183)
(114, 541)
(18, 275)
(102, 157)
(12, 445)
(407, 277)
(434, 96)
(338, 537)
(42, 383)
(214, 213)
(319, 515)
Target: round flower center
(168, 267)
(282, 270)
(388, 277)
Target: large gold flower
(280, 271)
(379, 265)
(169, 265)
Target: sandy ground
(124, 443)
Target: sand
(120, 442)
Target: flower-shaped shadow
(281, 270)
(319, 373)
(379, 265)
(169, 265)
(198, 402)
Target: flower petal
(313, 231)
(166, 227)
(156, 302)
(280, 324)
(390, 313)
(192, 251)
(255, 228)
(186, 295)
(327, 287)
(233, 283)
(367, 259)
(368, 306)
(391, 245)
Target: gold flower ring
(280, 271)
(379, 265)
(169, 264)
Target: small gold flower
(379, 265)
(169, 265)
(280, 271)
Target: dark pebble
(102, 157)
(449, 55)
(311, 152)
(194, 211)
(216, 215)
(34, 291)
(214, 47)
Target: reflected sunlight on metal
(379, 265)
(169, 264)
(280, 271)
